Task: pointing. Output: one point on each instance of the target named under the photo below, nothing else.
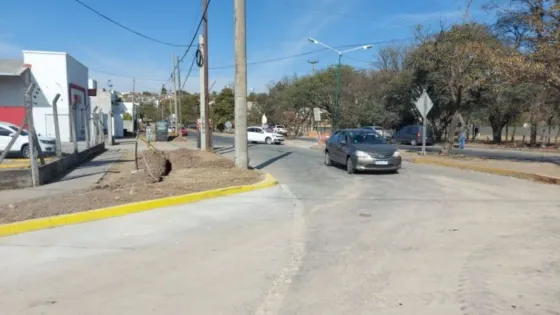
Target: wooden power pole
(207, 131)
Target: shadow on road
(267, 163)
(228, 149)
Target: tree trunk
(497, 127)
(533, 140)
(513, 133)
(450, 135)
(549, 134)
(507, 133)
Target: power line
(128, 76)
(266, 60)
(128, 28)
(188, 73)
(196, 32)
(311, 52)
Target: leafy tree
(146, 93)
(223, 108)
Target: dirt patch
(179, 139)
(184, 171)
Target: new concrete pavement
(428, 240)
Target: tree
(146, 93)
(223, 108)
(458, 61)
(127, 116)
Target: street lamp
(337, 90)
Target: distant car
(264, 135)
(184, 132)
(361, 150)
(281, 129)
(21, 146)
(381, 131)
(412, 135)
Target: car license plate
(381, 162)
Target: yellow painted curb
(490, 170)
(15, 165)
(116, 211)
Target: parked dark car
(361, 150)
(412, 135)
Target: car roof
(352, 130)
(5, 123)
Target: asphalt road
(428, 240)
(485, 153)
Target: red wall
(13, 114)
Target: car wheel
(413, 142)
(268, 140)
(25, 151)
(328, 161)
(349, 166)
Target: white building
(108, 102)
(54, 73)
(59, 73)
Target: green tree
(223, 107)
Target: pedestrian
(462, 140)
(475, 132)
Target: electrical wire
(266, 60)
(188, 73)
(128, 76)
(128, 28)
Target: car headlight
(361, 154)
(396, 154)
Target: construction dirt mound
(185, 158)
(155, 166)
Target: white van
(21, 146)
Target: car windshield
(15, 129)
(280, 126)
(367, 138)
(268, 130)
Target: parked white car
(264, 135)
(21, 146)
(280, 129)
(380, 131)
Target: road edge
(490, 170)
(129, 208)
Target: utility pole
(134, 109)
(179, 98)
(203, 113)
(207, 131)
(313, 62)
(175, 70)
(241, 154)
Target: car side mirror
(343, 142)
(12, 134)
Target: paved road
(428, 240)
(485, 153)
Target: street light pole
(337, 93)
(338, 70)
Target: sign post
(424, 105)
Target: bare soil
(177, 172)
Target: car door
(399, 135)
(251, 134)
(340, 146)
(332, 144)
(259, 134)
(4, 137)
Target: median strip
(516, 169)
(121, 210)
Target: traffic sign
(228, 124)
(424, 104)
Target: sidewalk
(84, 176)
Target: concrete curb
(121, 210)
(490, 170)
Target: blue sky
(275, 28)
